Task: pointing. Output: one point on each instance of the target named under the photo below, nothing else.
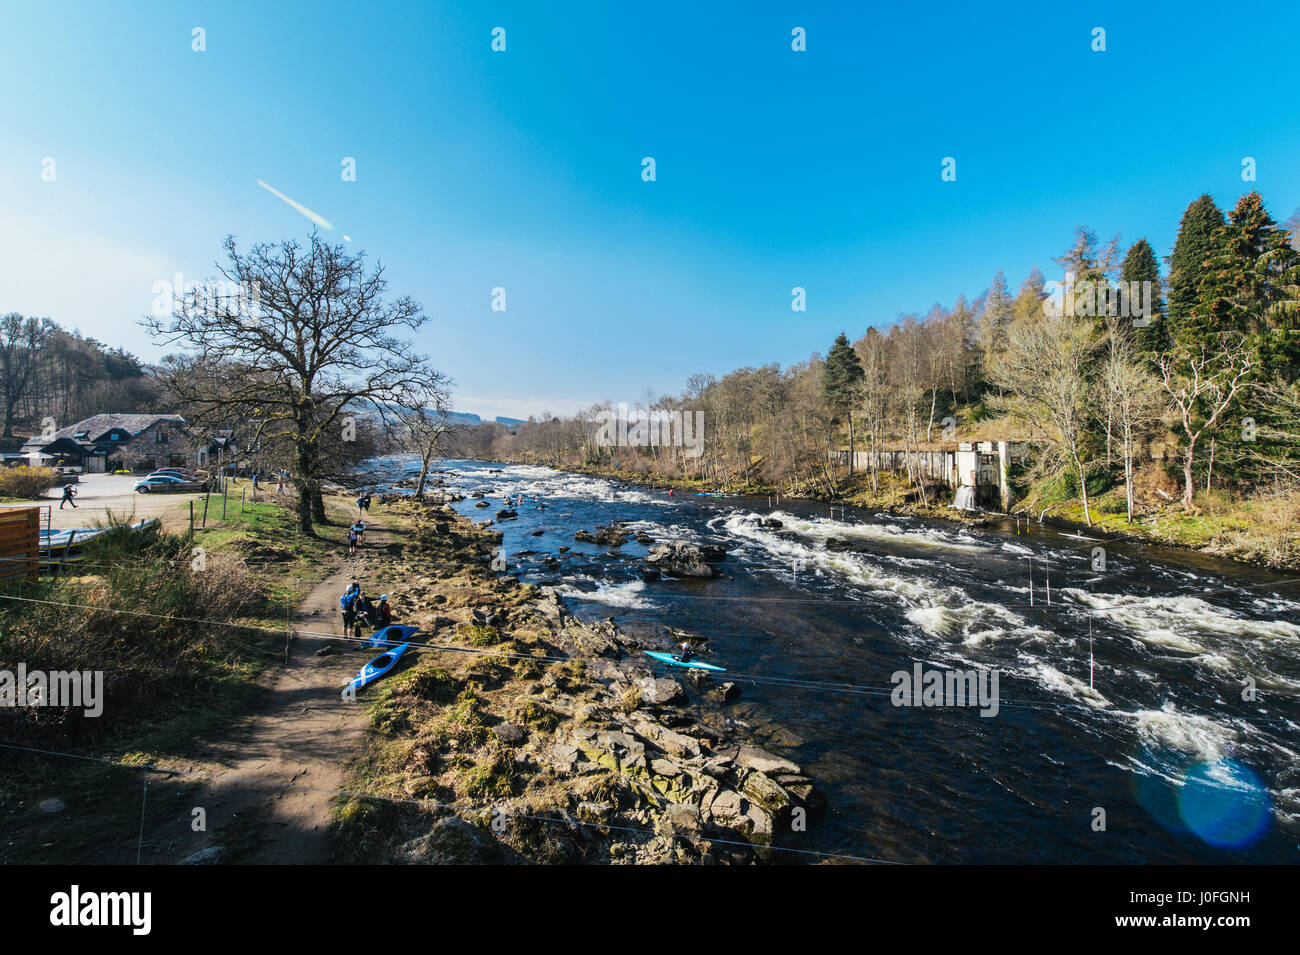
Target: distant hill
(461, 417)
(510, 424)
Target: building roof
(89, 430)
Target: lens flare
(1224, 803)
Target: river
(1126, 732)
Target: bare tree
(20, 346)
(1131, 395)
(419, 429)
(1045, 372)
(1202, 385)
(314, 336)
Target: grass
(169, 684)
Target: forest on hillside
(47, 371)
(1185, 391)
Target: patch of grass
(478, 635)
(497, 776)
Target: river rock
(760, 760)
(510, 733)
(481, 504)
(679, 559)
(726, 692)
(679, 819)
(506, 514)
(208, 856)
(584, 537)
(658, 691)
(611, 536)
(441, 496)
(453, 841)
(726, 806)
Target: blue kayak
(674, 661)
(388, 637)
(375, 669)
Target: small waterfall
(965, 499)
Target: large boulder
(452, 841)
(612, 536)
(679, 559)
(760, 760)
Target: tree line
(47, 372)
(1118, 366)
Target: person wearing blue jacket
(348, 603)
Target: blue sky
(522, 169)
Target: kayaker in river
(686, 655)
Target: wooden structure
(20, 544)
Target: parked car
(164, 483)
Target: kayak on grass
(375, 669)
(390, 636)
(675, 661)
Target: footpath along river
(1184, 768)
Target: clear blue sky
(522, 169)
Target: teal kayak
(674, 661)
(375, 669)
(391, 636)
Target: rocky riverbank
(530, 736)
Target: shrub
(25, 482)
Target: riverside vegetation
(1180, 426)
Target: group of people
(359, 609)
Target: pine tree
(1249, 293)
(1140, 265)
(1029, 300)
(994, 320)
(1188, 263)
(842, 383)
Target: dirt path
(279, 769)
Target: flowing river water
(1159, 687)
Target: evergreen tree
(1188, 263)
(842, 383)
(1140, 265)
(994, 320)
(1249, 293)
(1029, 300)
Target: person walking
(68, 492)
(348, 605)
